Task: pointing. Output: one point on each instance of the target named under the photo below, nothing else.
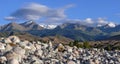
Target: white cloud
(92, 22)
(37, 7)
(89, 21)
(10, 18)
(35, 11)
(72, 21)
(102, 21)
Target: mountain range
(74, 31)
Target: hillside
(74, 31)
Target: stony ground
(15, 51)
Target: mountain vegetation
(73, 31)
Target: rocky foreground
(15, 51)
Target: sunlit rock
(2, 47)
(13, 61)
(71, 62)
(3, 59)
(14, 39)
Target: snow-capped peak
(111, 24)
(29, 22)
(48, 26)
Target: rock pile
(15, 51)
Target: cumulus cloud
(35, 11)
(89, 21)
(92, 22)
(101, 21)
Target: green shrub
(71, 44)
(86, 45)
(75, 43)
(80, 45)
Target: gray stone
(13, 61)
(2, 47)
(14, 39)
(71, 62)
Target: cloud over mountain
(92, 22)
(35, 11)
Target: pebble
(71, 62)
(15, 51)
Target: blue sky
(85, 10)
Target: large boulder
(19, 50)
(13, 61)
(38, 53)
(8, 48)
(12, 55)
(14, 39)
(3, 59)
(2, 46)
(60, 47)
(6, 40)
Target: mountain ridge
(75, 31)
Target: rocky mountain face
(117, 37)
(26, 26)
(12, 26)
(75, 31)
(31, 25)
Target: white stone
(37, 46)
(13, 55)
(38, 42)
(34, 58)
(33, 48)
(27, 47)
(69, 49)
(38, 52)
(8, 47)
(3, 59)
(7, 40)
(19, 50)
(111, 61)
(13, 61)
(71, 57)
(96, 61)
(2, 47)
(71, 62)
(54, 60)
(45, 45)
(37, 62)
(22, 44)
(118, 59)
(50, 44)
